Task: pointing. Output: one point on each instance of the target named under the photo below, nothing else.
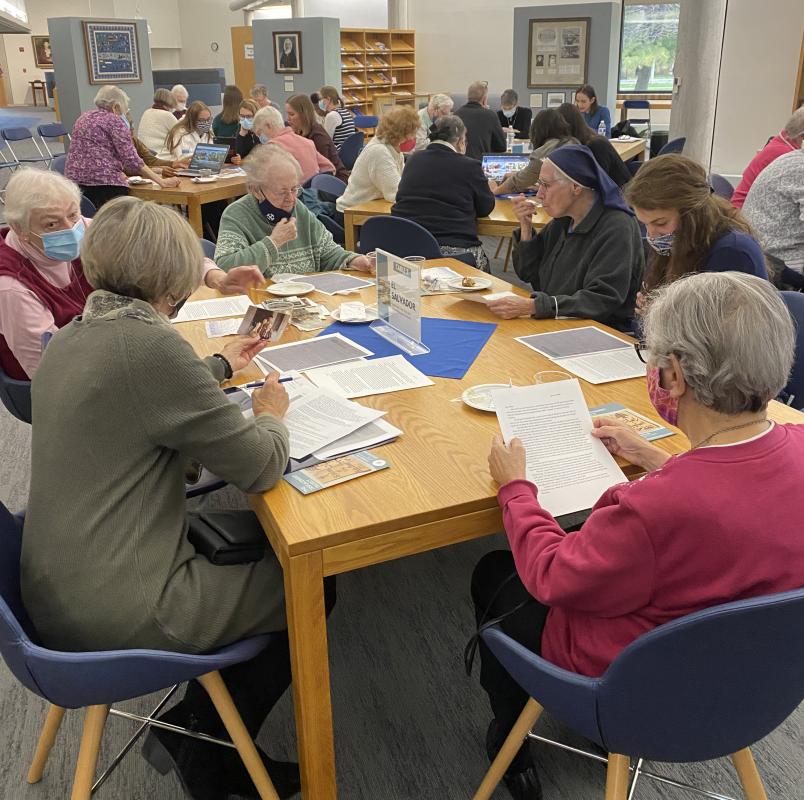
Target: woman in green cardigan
(122, 403)
(267, 227)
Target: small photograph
(570, 52)
(570, 36)
(287, 51)
(43, 56)
(547, 36)
(551, 61)
(555, 99)
(539, 60)
(269, 325)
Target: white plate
(479, 396)
(371, 315)
(480, 283)
(289, 288)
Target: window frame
(633, 94)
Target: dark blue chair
(337, 231)
(208, 248)
(58, 163)
(10, 135)
(53, 131)
(720, 185)
(795, 385)
(637, 105)
(88, 209)
(633, 166)
(673, 146)
(96, 680)
(16, 396)
(328, 183)
(350, 149)
(703, 686)
(399, 236)
(366, 122)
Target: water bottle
(601, 129)
(509, 140)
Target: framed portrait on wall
(287, 51)
(558, 52)
(112, 51)
(43, 57)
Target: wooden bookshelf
(377, 62)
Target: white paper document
(362, 378)
(311, 353)
(569, 466)
(335, 282)
(377, 432)
(222, 327)
(209, 309)
(589, 353)
(487, 298)
(317, 418)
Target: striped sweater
(243, 240)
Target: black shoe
(524, 785)
(284, 776)
(521, 778)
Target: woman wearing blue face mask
(245, 140)
(688, 227)
(512, 115)
(42, 284)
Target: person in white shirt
(440, 105)
(378, 169)
(339, 122)
(182, 96)
(194, 127)
(157, 121)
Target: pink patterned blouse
(101, 150)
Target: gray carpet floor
(409, 724)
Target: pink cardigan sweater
(303, 150)
(713, 525)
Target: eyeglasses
(643, 354)
(294, 191)
(546, 185)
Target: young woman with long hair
(227, 122)
(192, 128)
(305, 122)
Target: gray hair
(262, 161)
(165, 97)
(178, 88)
(439, 101)
(476, 91)
(509, 98)
(124, 251)
(795, 125)
(110, 96)
(259, 90)
(29, 189)
(448, 129)
(268, 116)
(732, 334)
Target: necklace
(725, 430)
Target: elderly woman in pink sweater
(703, 528)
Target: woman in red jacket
(710, 526)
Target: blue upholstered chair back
(674, 146)
(58, 163)
(208, 248)
(795, 386)
(328, 183)
(74, 680)
(88, 209)
(700, 687)
(400, 236)
(350, 149)
(52, 130)
(16, 396)
(720, 185)
(16, 134)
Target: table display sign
(399, 303)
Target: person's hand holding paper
(512, 307)
(620, 440)
(507, 462)
(241, 350)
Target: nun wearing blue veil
(588, 261)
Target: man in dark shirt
(484, 134)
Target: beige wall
(760, 62)
(204, 22)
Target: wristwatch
(227, 367)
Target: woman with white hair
(182, 96)
(269, 228)
(440, 105)
(269, 126)
(42, 283)
(101, 152)
(713, 525)
(156, 121)
(121, 403)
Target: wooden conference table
(437, 492)
(501, 221)
(192, 195)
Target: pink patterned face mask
(664, 403)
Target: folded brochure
(644, 426)
(338, 470)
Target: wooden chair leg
(46, 739)
(499, 245)
(527, 719)
(94, 720)
(617, 777)
(749, 775)
(508, 254)
(230, 716)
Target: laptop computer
(497, 165)
(229, 141)
(206, 156)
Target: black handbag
(226, 538)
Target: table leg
(194, 215)
(309, 659)
(350, 232)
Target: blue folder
(454, 344)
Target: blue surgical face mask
(246, 123)
(264, 139)
(510, 113)
(64, 245)
(663, 244)
(322, 104)
(273, 213)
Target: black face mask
(272, 213)
(177, 308)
